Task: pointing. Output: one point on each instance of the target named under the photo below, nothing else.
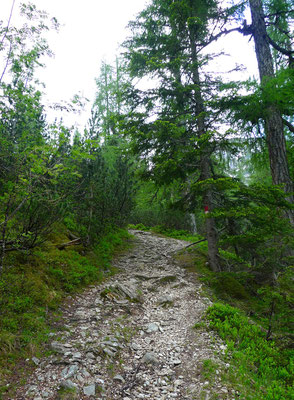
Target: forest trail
(132, 337)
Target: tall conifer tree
(176, 129)
(274, 127)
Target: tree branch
(193, 244)
(16, 210)
(289, 125)
(286, 52)
(7, 62)
(245, 30)
(8, 23)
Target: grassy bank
(33, 285)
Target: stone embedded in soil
(175, 362)
(89, 390)
(77, 355)
(150, 358)
(152, 327)
(68, 384)
(119, 378)
(165, 300)
(146, 277)
(57, 347)
(129, 291)
(68, 372)
(165, 279)
(35, 360)
(109, 352)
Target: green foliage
(176, 233)
(34, 285)
(36, 177)
(69, 270)
(265, 371)
(109, 245)
(157, 206)
(106, 173)
(209, 368)
(67, 394)
(165, 126)
(106, 187)
(255, 234)
(140, 226)
(109, 105)
(252, 107)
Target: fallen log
(71, 243)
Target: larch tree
(176, 133)
(273, 118)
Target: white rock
(152, 327)
(35, 360)
(89, 390)
(150, 358)
(119, 378)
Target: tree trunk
(210, 227)
(205, 168)
(273, 119)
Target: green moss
(227, 286)
(67, 394)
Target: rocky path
(132, 337)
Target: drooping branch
(277, 14)
(9, 217)
(289, 125)
(7, 62)
(275, 45)
(245, 30)
(8, 23)
(193, 244)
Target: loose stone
(90, 390)
(119, 378)
(150, 358)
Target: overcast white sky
(91, 32)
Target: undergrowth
(173, 233)
(33, 285)
(265, 370)
(258, 341)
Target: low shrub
(267, 369)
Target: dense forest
(170, 145)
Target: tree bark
(273, 119)
(205, 168)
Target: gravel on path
(132, 337)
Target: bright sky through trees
(91, 31)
